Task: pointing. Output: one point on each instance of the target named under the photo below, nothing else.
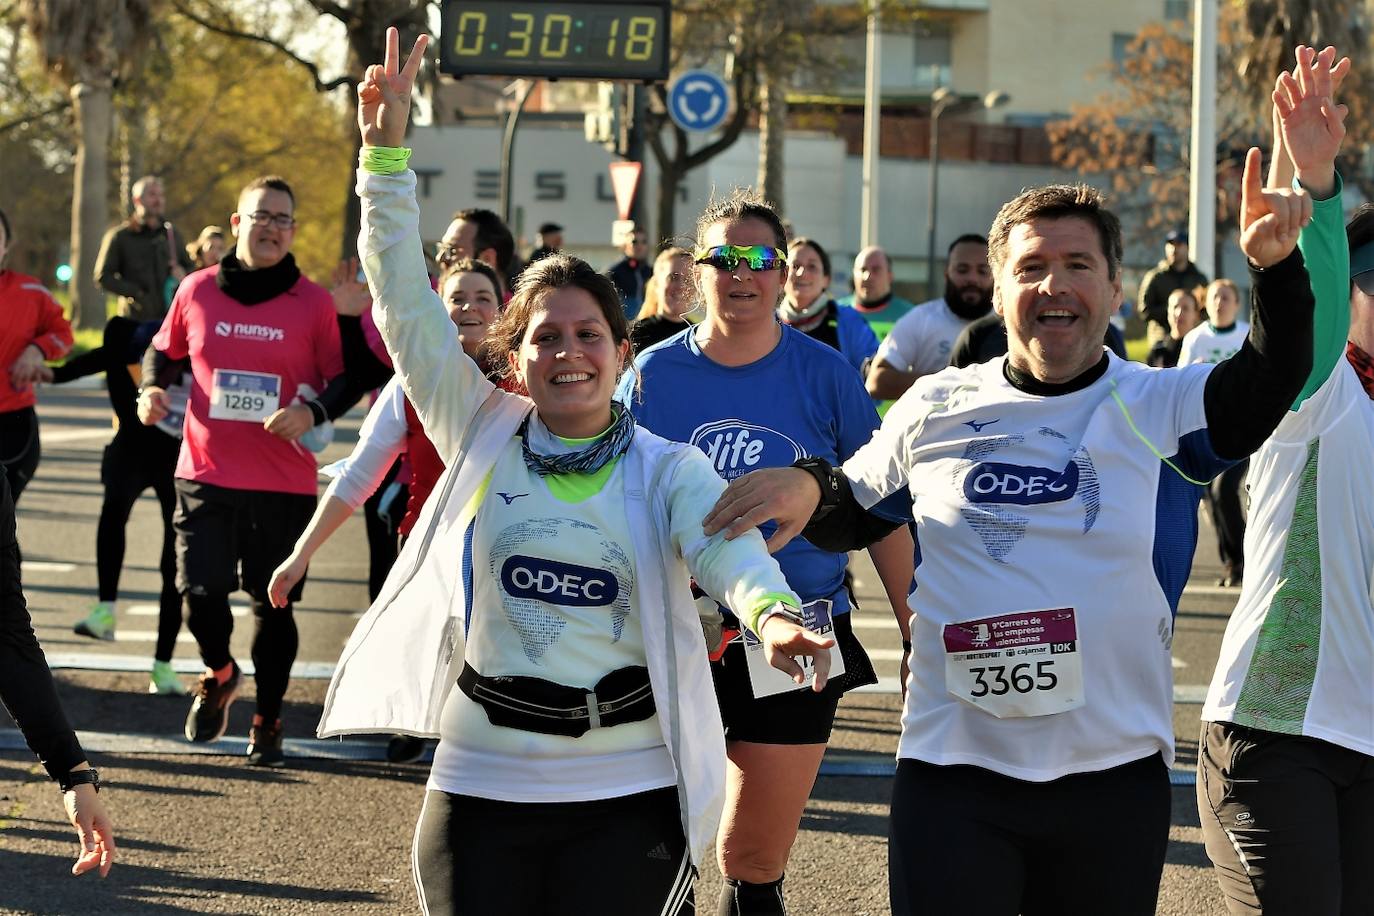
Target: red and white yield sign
(624, 180)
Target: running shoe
(405, 749)
(99, 623)
(264, 746)
(209, 715)
(164, 680)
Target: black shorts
(622, 856)
(967, 840)
(795, 717)
(227, 539)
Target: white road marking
(43, 566)
(183, 638)
(110, 661)
(152, 610)
(58, 436)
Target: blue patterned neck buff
(589, 460)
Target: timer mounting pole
(508, 146)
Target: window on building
(932, 57)
(1121, 46)
(1177, 9)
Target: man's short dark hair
(1057, 201)
(491, 233)
(5, 222)
(970, 237)
(272, 183)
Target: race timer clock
(605, 40)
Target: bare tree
(769, 45)
(1136, 133)
(1268, 33)
(86, 45)
(365, 23)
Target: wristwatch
(781, 610)
(826, 479)
(87, 777)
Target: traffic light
(607, 123)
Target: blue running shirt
(801, 400)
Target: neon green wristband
(385, 160)
(765, 602)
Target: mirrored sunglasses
(727, 257)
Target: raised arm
(444, 385)
(1311, 129)
(1247, 395)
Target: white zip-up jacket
(399, 664)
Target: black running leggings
(970, 841)
(19, 448)
(1228, 514)
(138, 458)
(615, 856)
(135, 460)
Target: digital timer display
(592, 41)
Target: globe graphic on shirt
(1001, 526)
(542, 585)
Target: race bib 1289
(250, 397)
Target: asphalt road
(204, 833)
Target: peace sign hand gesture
(384, 93)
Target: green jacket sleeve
(1327, 257)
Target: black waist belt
(536, 705)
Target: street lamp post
(941, 99)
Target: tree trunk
(772, 133)
(353, 207)
(93, 105)
(131, 129)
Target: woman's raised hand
(384, 93)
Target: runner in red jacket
(33, 330)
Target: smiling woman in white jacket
(549, 576)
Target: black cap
(548, 228)
(1177, 235)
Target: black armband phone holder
(828, 479)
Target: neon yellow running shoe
(164, 680)
(99, 623)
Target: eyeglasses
(1365, 281)
(727, 257)
(446, 254)
(263, 218)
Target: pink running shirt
(246, 360)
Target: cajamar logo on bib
(991, 487)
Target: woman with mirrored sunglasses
(581, 759)
(751, 392)
(807, 306)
